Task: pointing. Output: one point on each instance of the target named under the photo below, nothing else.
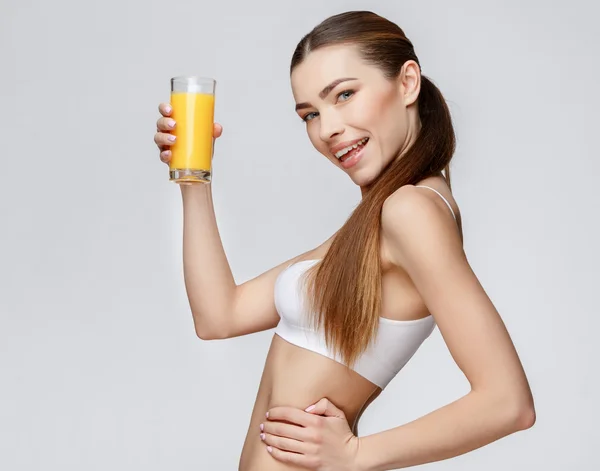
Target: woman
(351, 312)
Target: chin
(364, 176)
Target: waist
(296, 377)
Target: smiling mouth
(352, 150)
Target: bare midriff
(297, 377)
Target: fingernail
(309, 408)
(267, 414)
(171, 123)
(269, 449)
(171, 138)
(168, 109)
(262, 427)
(262, 436)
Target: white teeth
(343, 152)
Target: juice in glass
(193, 104)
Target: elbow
(520, 413)
(209, 335)
(525, 416)
(510, 411)
(202, 335)
(206, 332)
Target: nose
(330, 126)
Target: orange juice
(193, 114)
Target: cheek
(392, 128)
(377, 113)
(365, 114)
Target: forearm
(209, 282)
(470, 422)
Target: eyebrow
(326, 91)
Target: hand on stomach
(296, 377)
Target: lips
(353, 157)
(354, 151)
(343, 145)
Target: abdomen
(296, 377)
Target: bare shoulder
(406, 200)
(415, 219)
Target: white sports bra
(394, 345)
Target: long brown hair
(344, 289)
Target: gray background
(100, 367)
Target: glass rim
(192, 78)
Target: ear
(410, 82)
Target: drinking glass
(193, 108)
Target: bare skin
(285, 381)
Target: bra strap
(442, 196)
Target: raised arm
(220, 308)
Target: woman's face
(346, 102)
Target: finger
(165, 109)
(165, 124)
(291, 414)
(286, 430)
(326, 408)
(283, 443)
(165, 156)
(217, 130)
(164, 140)
(297, 459)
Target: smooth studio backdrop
(100, 367)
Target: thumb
(327, 408)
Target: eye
(347, 93)
(309, 116)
